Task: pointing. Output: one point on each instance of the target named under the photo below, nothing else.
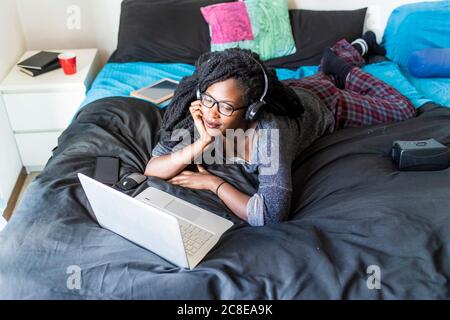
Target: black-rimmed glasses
(224, 107)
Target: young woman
(218, 95)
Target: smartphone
(107, 170)
(157, 92)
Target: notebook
(34, 72)
(39, 60)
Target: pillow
(416, 26)
(430, 63)
(315, 30)
(162, 31)
(259, 25)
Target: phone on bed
(157, 92)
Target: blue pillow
(430, 63)
(417, 26)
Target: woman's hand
(197, 115)
(202, 180)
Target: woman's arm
(234, 199)
(169, 165)
(269, 205)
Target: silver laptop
(176, 230)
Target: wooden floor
(25, 182)
(28, 180)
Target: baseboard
(15, 194)
(31, 169)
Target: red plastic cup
(68, 62)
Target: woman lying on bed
(218, 95)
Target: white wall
(44, 23)
(11, 48)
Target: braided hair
(212, 67)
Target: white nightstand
(40, 108)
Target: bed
(355, 218)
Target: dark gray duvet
(356, 219)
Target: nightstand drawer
(42, 111)
(36, 148)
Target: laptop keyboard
(193, 237)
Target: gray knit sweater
(273, 154)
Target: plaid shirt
(365, 100)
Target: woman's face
(225, 91)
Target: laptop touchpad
(182, 210)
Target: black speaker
(423, 155)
